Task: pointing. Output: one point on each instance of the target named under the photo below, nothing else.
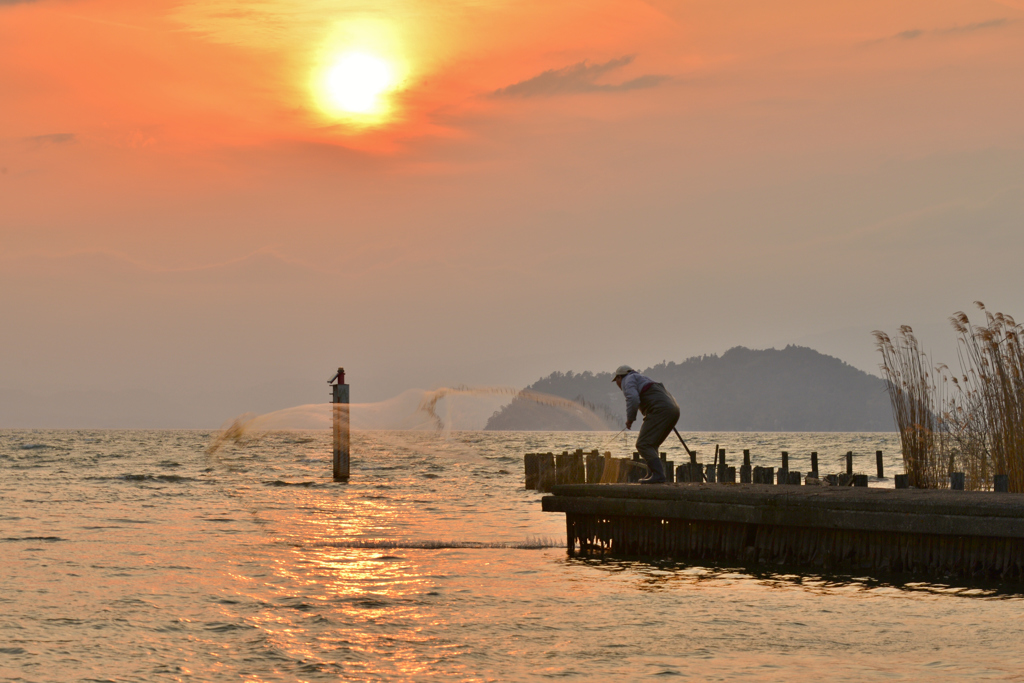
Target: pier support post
(339, 400)
(814, 464)
(879, 465)
(849, 463)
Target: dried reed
(971, 422)
(990, 395)
(912, 391)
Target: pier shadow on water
(661, 574)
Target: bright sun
(357, 83)
(358, 71)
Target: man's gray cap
(622, 371)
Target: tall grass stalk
(971, 421)
(991, 392)
(912, 392)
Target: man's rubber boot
(657, 475)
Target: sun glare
(357, 82)
(359, 70)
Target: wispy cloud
(578, 78)
(978, 26)
(915, 33)
(52, 138)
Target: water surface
(134, 556)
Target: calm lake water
(135, 556)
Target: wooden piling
(814, 464)
(340, 414)
(545, 471)
(532, 470)
(879, 465)
(902, 481)
(956, 481)
(793, 478)
(592, 465)
(562, 468)
(849, 463)
(577, 471)
(1001, 483)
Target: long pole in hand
(685, 447)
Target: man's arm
(631, 390)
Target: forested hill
(793, 389)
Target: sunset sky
(207, 206)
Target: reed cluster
(971, 421)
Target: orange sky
(552, 186)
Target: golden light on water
(359, 71)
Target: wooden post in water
(545, 471)
(577, 470)
(849, 463)
(594, 462)
(532, 470)
(562, 468)
(814, 464)
(721, 473)
(669, 467)
(878, 464)
(902, 481)
(745, 472)
(339, 408)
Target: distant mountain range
(794, 389)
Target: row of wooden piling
(544, 470)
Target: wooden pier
(926, 533)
